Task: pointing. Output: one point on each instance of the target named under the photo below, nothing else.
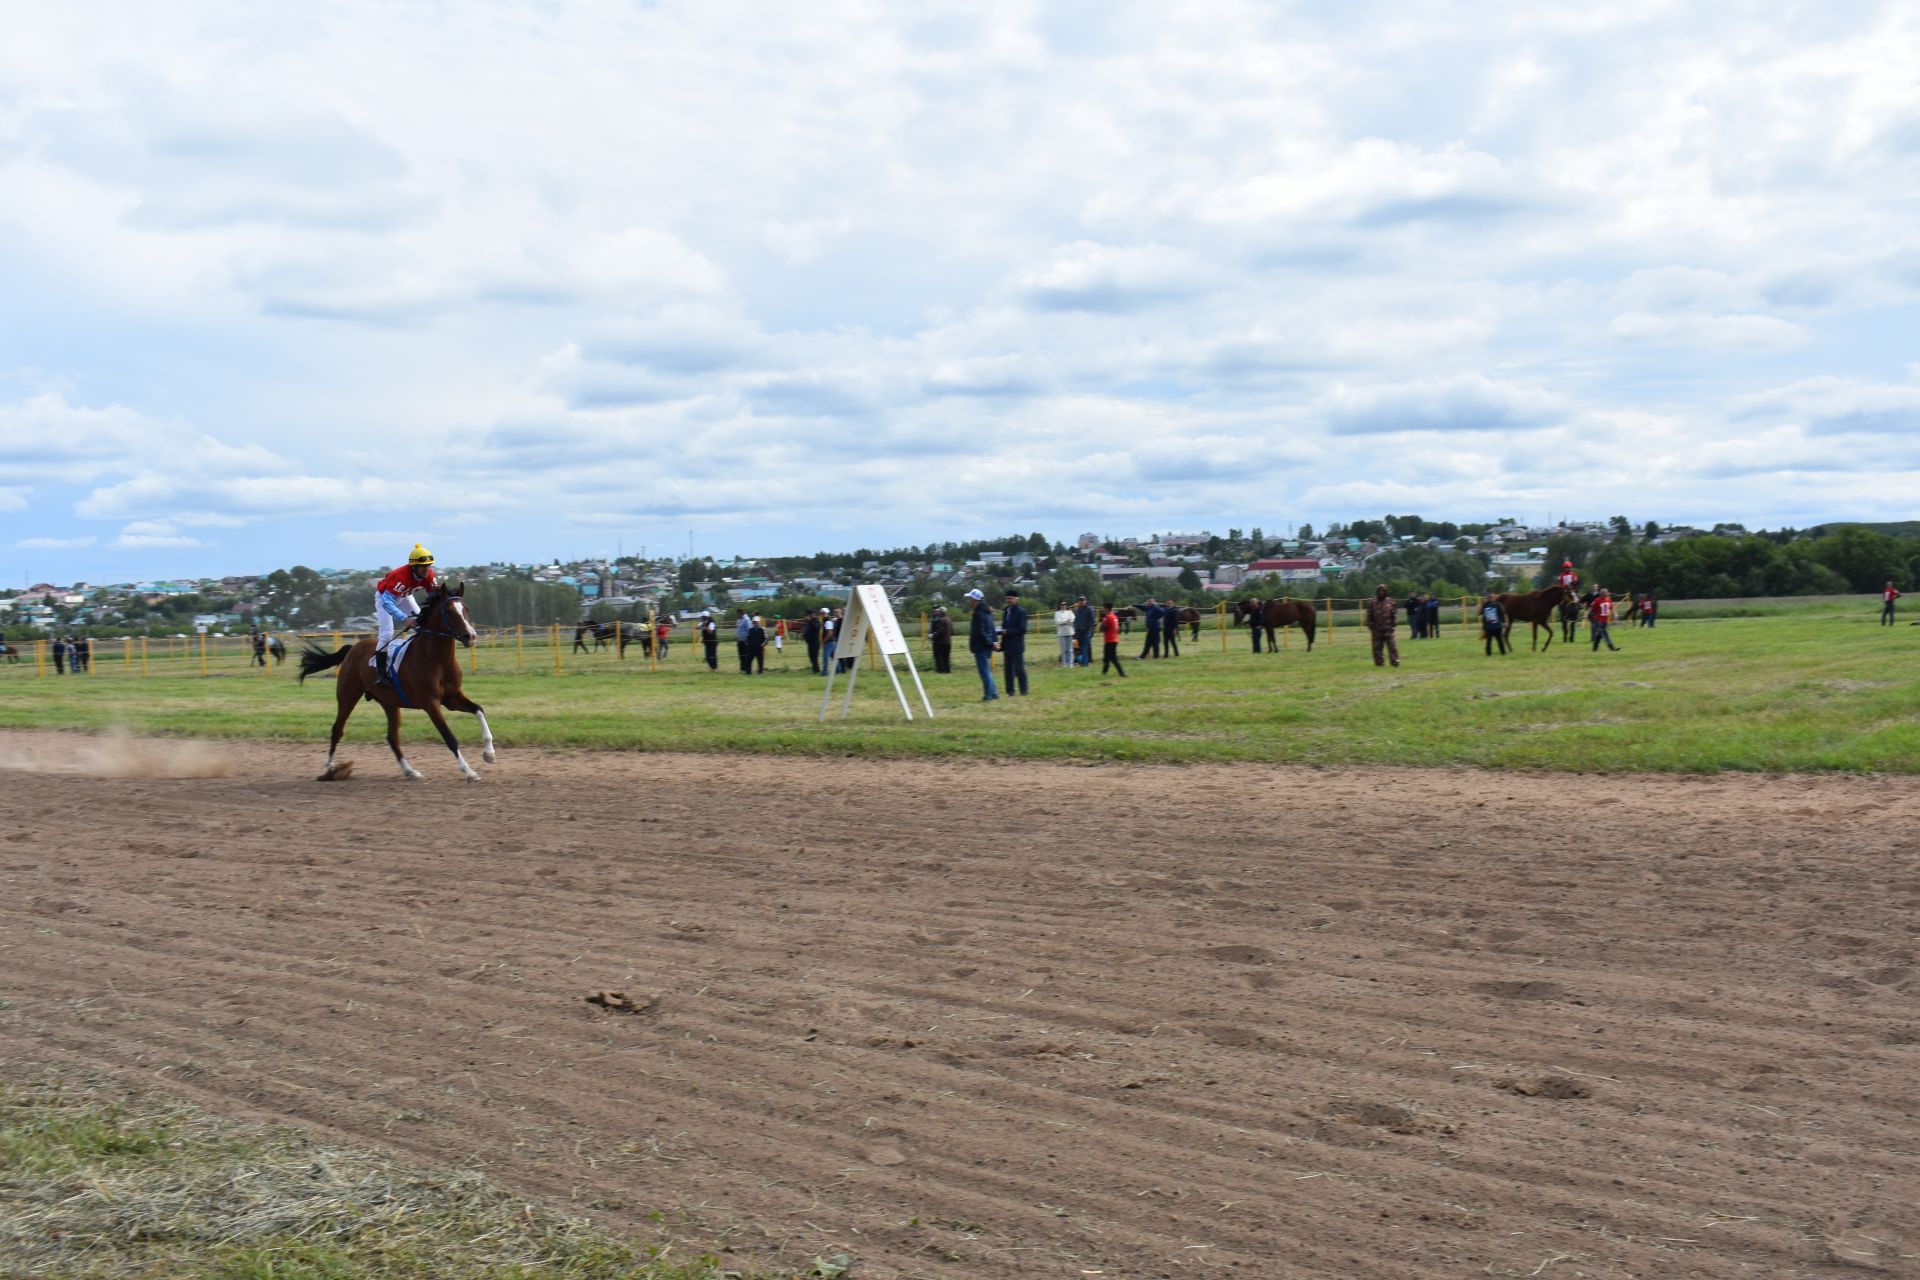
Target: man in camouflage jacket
(1380, 612)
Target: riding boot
(380, 659)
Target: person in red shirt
(1888, 595)
(1110, 635)
(393, 600)
(1567, 577)
(1600, 618)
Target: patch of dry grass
(95, 1183)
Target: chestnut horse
(1535, 607)
(1276, 615)
(428, 680)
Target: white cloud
(651, 266)
(53, 544)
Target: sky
(306, 284)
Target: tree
(1652, 530)
(1306, 533)
(1189, 579)
(1622, 528)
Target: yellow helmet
(420, 555)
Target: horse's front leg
(461, 702)
(439, 718)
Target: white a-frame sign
(868, 610)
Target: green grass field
(1818, 688)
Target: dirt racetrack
(983, 1020)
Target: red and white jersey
(1891, 595)
(1567, 578)
(1601, 610)
(401, 582)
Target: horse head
(445, 613)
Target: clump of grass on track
(94, 1185)
(1820, 688)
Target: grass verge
(1813, 691)
(95, 1183)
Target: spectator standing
(83, 654)
(1063, 631)
(1110, 636)
(1648, 609)
(811, 634)
(1379, 613)
(710, 639)
(1152, 616)
(662, 634)
(780, 636)
(1256, 621)
(1600, 620)
(940, 634)
(59, 655)
(1433, 617)
(1170, 631)
(1083, 624)
(753, 651)
(1416, 617)
(1493, 624)
(742, 625)
(1888, 595)
(981, 642)
(1013, 645)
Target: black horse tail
(316, 660)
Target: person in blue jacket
(982, 641)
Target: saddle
(396, 650)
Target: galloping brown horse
(1535, 607)
(428, 680)
(1275, 615)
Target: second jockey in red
(1567, 577)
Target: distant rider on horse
(393, 600)
(1567, 577)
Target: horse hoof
(488, 756)
(339, 772)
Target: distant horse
(1126, 616)
(1569, 613)
(10, 652)
(600, 631)
(278, 648)
(428, 679)
(1277, 615)
(1192, 618)
(1536, 608)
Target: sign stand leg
(915, 673)
(827, 697)
(898, 692)
(853, 673)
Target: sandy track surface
(1012, 1021)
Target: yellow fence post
(553, 637)
(203, 653)
(39, 657)
(519, 652)
(143, 655)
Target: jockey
(393, 600)
(1567, 577)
